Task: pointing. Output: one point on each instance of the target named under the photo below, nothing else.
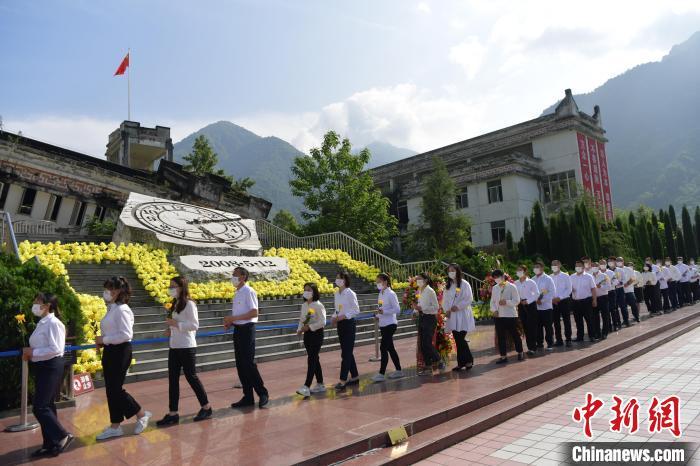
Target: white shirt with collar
(602, 283)
(627, 275)
(48, 340)
(547, 289)
(582, 284)
(648, 278)
(388, 302)
(184, 335)
(675, 273)
(684, 270)
(428, 301)
(508, 292)
(638, 279)
(317, 320)
(244, 301)
(614, 281)
(527, 289)
(694, 274)
(562, 282)
(117, 326)
(346, 304)
(661, 277)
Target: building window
(560, 187)
(402, 212)
(462, 199)
(78, 213)
(495, 191)
(4, 189)
(28, 197)
(53, 208)
(498, 232)
(100, 213)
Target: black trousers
(695, 290)
(639, 294)
(545, 329)
(562, 312)
(347, 329)
(529, 318)
(673, 294)
(649, 298)
(179, 360)
(685, 292)
(47, 382)
(583, 308)
(386, 347)
(116, 360)
(605, 317)
(595, 321)
(507, 326)
(614, 311)
(666, 301)
(426, 329)
(621, 301)
(313, 341)
(244, 350)
(631, 300)
(464, 354)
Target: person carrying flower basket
(427, 307)
(311, 323)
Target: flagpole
(128, 86)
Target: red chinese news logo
(662, 415)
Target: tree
(688, 233)
(202, 162)
(672, 218)
(528, 245)
(697, 228)
(539, 232)
(285, 220)
(340, 196)
(442, 232)
(680, 244)
(668, 237)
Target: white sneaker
(318, 388)
(376, 378)
(396, 375)
(142, 423)
(110, 432)
(304, 391)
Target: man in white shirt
(625, 286)
(656, 292)
(662, 278)
(562, 303)
(504, 300)
(527, 309)
(244, 315)
(684, 292)
(548, 290)
(630, 297)
(673, 284)
(601, 313)
(583, 293)
(694, 281)
(614, 274)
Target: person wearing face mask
(615, 276)
(427, 307)
(662, 278)
(346, 308)
(311, 322)
(587, 265)
(387, 310)
(674, 278)
(244, 316)
(638, 285)
(504, 301)
(648, 281)
(548, 290)
(603, 289)
(684, 285)
(45, 351)
(457, 301)
(527, 309)
(656, 294)
(181, 328)
(561, 304)
(625, 292)
(584, 296)
(630, 296)
(117, 328)
(694, 281)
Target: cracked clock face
(191, 223)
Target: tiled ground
(534, 437)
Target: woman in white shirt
(648, 280)
(427, 307)
(387, 310)
(311, 323)
(117, 328)
(45, 350)
(346, 308)
(182, 325)
(457, 302)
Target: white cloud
(424, 7)
(469, 55)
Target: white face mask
(380, 287)
(172, 292)
(555, 268)
(452, 275)
(667, 263)
(680, 262)
(646, 268)
(235, 281)
(579, 269)
(619, 264)
(339, 282)
(498, 280)
(308, 295)
(602, 267)
(36, 310)
(420, 283)
(538, 270)
(107, 296)
(520, 273)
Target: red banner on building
(585, 164)
(595, 172)
(605, 180)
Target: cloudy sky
(416, 74)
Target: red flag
(124, 65)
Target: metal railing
(8, 240)
(273, 236)
(34, 227)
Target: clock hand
(203, 221)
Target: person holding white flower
(387, 310)
(311, 323)
(457, 301)
(182, 325)
(346, 308)
(427, 306)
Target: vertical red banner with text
(595, 172)
(605, 180)
(585, 164)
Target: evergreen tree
(202, 161)
(509, 242)
(528, 247)
(688, 233)
(680, 244)
(285, 220)
(540, 238)
(668, 237)
(657, 250)
(618, 224)
(643, 238)
(554, 235)
(632, 226)
(672, 218)
(579, 235)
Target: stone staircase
(216, 352)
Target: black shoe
(341, 385)
(502, 360)
(456, 369)
(168, 420)
(578, 340)
(568, 343)
(636, 319)
(592, 340)
(264, 400)
(468, 366)
(354, 381)
(627, 324)
(66, 442)
(530, 353)
(43, 451)
(243, 403)
(203, 414)
(559, 343)
(521, 356)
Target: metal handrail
(271, 235)
(34, 227)
(7, 220)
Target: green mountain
(383, 153)
(652, 117)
